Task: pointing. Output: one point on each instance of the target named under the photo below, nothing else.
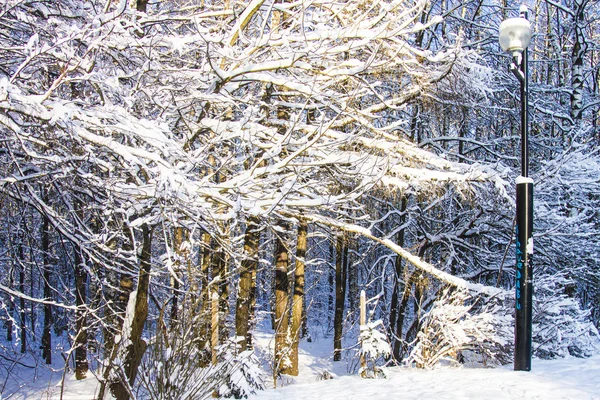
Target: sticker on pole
(530, 246)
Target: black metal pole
(524, 232)
(524, 67)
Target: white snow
(521, 179)
(566, 378)
(569, 378)
(47, 385)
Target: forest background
(283, 156)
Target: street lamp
(514, 36)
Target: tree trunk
(248, 270)
(137, 346)
(125, 280)
(398, 345)
(81, 338)
(81, 363)
(304, 325)
(110, 317)
(340, 295)
(219, 269)
(115, 311)
(214, 326)
(32, 316)
(281, 302)
(253, 295)
(399, 271)
(46, 335)
(352, 276)
(11, 308)
(204, 317)
(394, 301)
(554, 47)
(578, 56)
(298, 298)
(331, 284)
(179, 237)
(22, 300)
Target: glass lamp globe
(515, 35)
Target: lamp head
(515, 35)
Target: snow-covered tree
(170, 149)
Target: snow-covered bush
(567, 209)
(245, 378)
(560, 326)
(176, 368)
(374, 346)
(459, 326)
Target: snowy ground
(569, 378)
(44, 383)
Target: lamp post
(515, 35)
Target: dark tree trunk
(352, 276)
(32, 316)
(281, 299)
(141, 305)
(248, 270)
(204, 317)
(111, 318)
(125, 281)
(81, 362)
(46, 335)
(179, 237)
(219, 269)
(11, 308)
(399, 271)
(253, 293)
(115, 311)
(298, 298)
(398, 344)
(22, 300)
(304, 328)
(340, 295)
(135, 350)
(331, 284)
